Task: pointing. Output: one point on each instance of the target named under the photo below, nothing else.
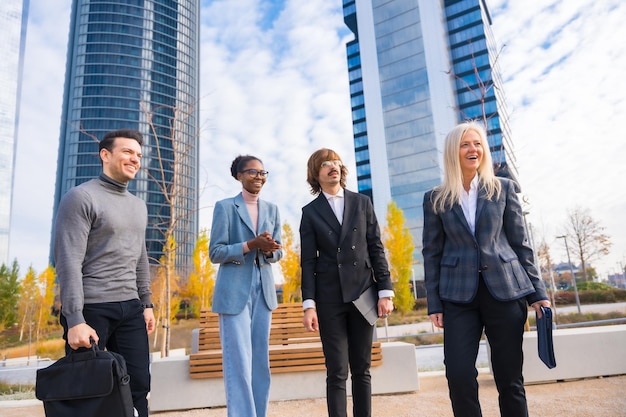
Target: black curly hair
(240, 162)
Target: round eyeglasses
(253, 173)
(336, 163)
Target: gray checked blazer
(499, 250)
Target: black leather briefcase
(88, 382)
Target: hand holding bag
(88, 382)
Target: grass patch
(419, 340)
(16, 392)
(573, 318)
(419, 315)
(52, 345)
(397, 318)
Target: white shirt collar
(469, 201)
(474, 183)
(330, 196)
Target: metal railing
(23, 362)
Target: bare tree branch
(586, 237)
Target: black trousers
(503, 323)
(347, 342)
(121, 328)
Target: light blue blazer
(232, 227)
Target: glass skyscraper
(135, 64)
(417, 68)
(13, 22)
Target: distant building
(127, 62)
(565, 267)
(412, 67)
(13, 22)
(617, 280)
(563, 270)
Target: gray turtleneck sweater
(99, 247)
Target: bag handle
(82, 354)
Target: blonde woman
(479, 272)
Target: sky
(274, 84)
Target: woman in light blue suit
(245, 239)
(479, 272)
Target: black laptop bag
(87, 382)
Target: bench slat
(292, 348)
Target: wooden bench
(292, 348)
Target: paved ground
(592, 397)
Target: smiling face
(251, 176)
(470, 153)
(123, 161)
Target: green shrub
(583, 286)
(590, 296)
(596, 296)
(564, 298)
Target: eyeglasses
(253, 173)
(336, 163)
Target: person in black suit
(479, 272)
(341, 257)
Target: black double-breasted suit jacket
(339, 262)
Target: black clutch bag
(88, 382)
(544, 337)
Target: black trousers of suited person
(346, 341)
(503, 323)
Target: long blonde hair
(449, 192)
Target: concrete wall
(172, 389)
(580, 353)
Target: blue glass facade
(135, 64)
(13, 22)
(478, 84)
(359, 124)
(411, 70)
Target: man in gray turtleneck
(102, 264)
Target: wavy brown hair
(315, 164)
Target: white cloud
(566, 112)
(38, 140)
(279, 96)
(280, 92)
